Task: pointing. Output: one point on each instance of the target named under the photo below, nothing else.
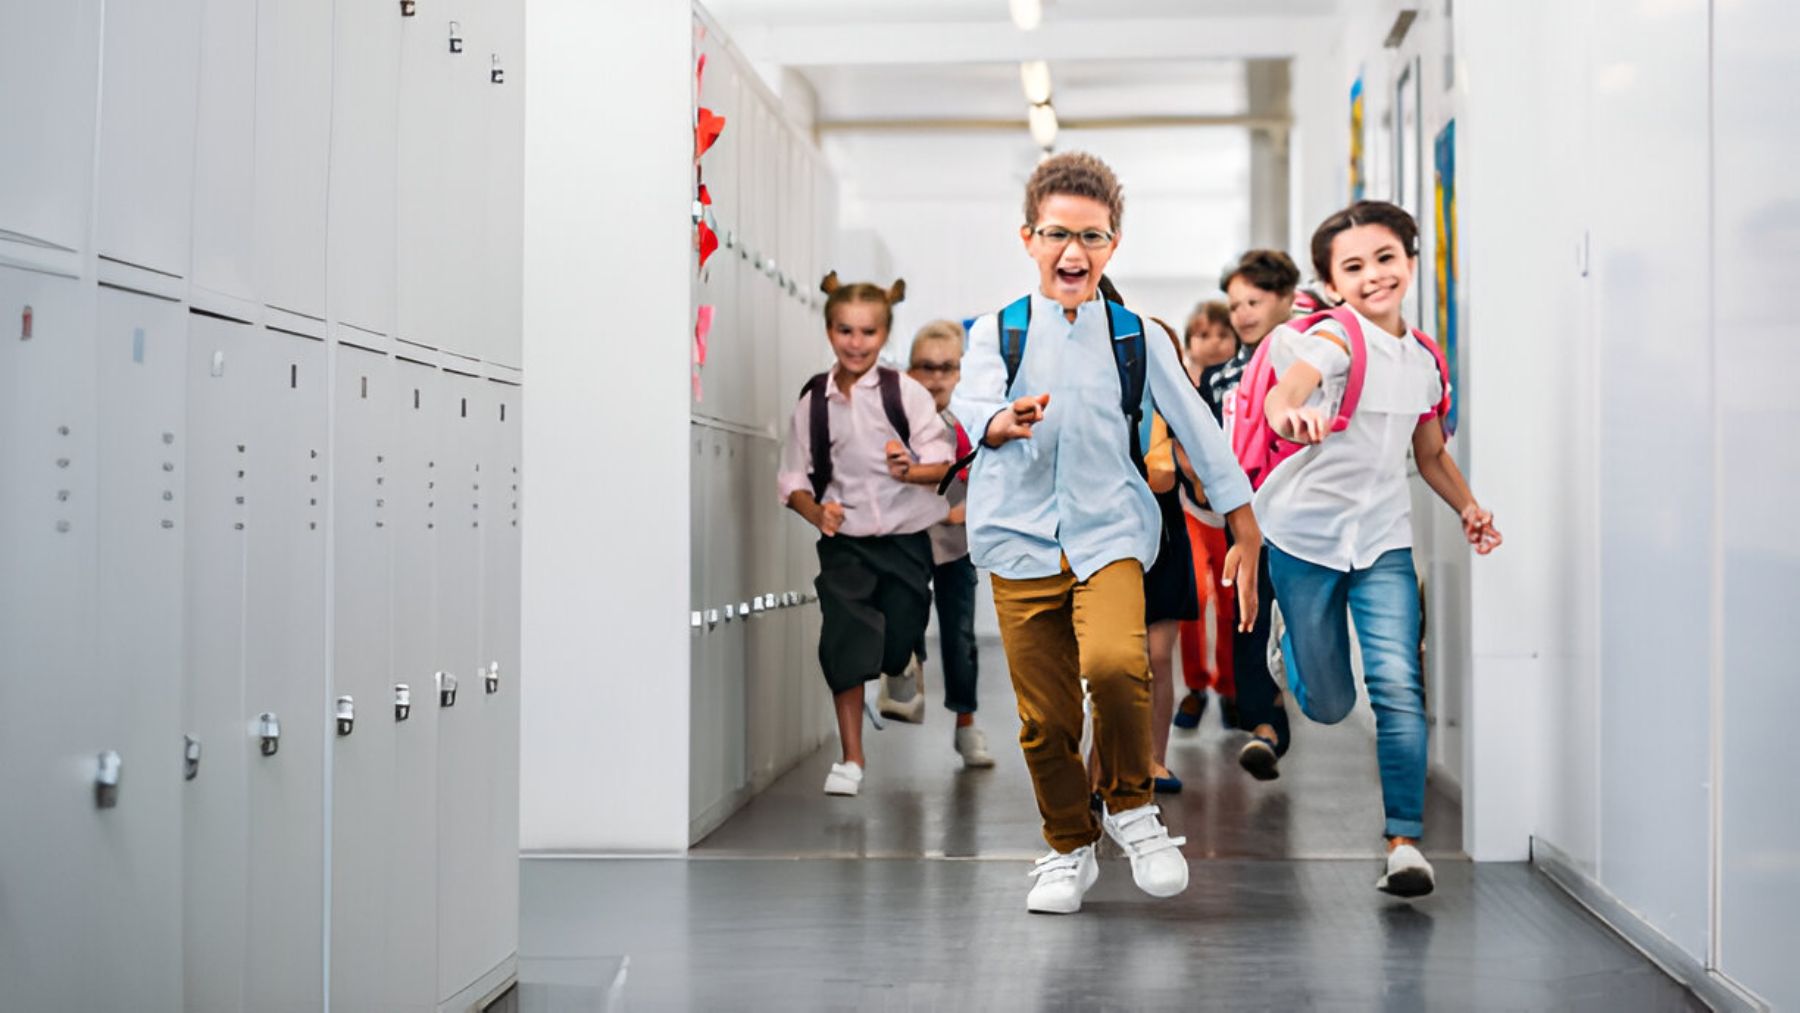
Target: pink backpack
(1254, 441)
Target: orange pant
(1197, 669)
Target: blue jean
(954, 586)
(1384, 602)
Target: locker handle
(346, 715)
(402, 701)
(190, 757)
(456, 42)
(106, 780)
(492, 677)
(268, 727)
(408, 8)
(496, 75)
(446, 687)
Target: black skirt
(1169, 590)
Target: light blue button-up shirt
(1072, 489)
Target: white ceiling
(1083, 89)
(787, 13)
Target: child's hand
(1478, 528)
(959, 514)
(1239, 570)
(899, 462)
(1015, 422)
(831, 518)
(1302, 425)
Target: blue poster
(1446, 274)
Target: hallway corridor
(911, 896)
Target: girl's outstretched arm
(1439, 471)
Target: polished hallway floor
(911, 897)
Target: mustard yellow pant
(1058, 631)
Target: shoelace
(1057, 865)
(1141, 833)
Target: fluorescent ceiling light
(1034, 77)
(1027, 14)
(1043, 125)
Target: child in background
(864, 444)
(1211, 343)
(1337, 514)
(937, 364)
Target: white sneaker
(1062, 880)
(1157, 866)
(902, 696)
(1408, 873)
(844, 779)
(973, 747)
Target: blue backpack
(1127, 329)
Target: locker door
(727, 552)
(293, 137)
(224, 197)
(135, 688)
(700, 592)
(285, 668)
(362, 794)
(51, 919)
(425, 210)
(463, 771)
(151, 69)
(500, 584)
(502, 246)
(54, 57)
(215, 803)
(412, 857)
(765, 693)
(365, 113)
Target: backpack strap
(892, 405)
(1127, 329)
(820, 426)
(1357, 350)
(1442, 411)
(1014, 325)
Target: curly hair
(1079, 174)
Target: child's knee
(1110, 667)
(1329, 709)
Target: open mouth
(1071, 275)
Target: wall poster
(1446, 275)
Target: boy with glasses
(1060, 515)
(937, 364)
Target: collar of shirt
(833, 392)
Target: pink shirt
(874, 502)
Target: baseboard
(1712, 988)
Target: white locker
(412, 972)
(500, 628)
(134, 688)
(362, 794)
(151, 61)
(765, 691)
(503, 237)
(293, 139)
(464, 770)
(53, 56)
(364, 166)
(224, 185)
(215, 802)
(285, 668)
(704, 643)
(429, 215)
(51, 726)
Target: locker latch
(455, 37)
(190, 757)
(346, 715)
(106, 780)
(25, 324)
(408, 8)
(446, 687)
(402, 701)
(492, 677)
(496, 75)
(268, 727)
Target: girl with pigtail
(865, 450)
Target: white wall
(605, 718)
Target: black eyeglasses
(1093, 239)
(938, 367)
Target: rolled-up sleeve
(796, 456)
(981, 393)
(1193, 424)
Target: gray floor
(912, 897)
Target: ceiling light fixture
(1034, 77)
(1027, 14)
(1043, 125)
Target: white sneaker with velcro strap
(1062, 880)
(1157, 865)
